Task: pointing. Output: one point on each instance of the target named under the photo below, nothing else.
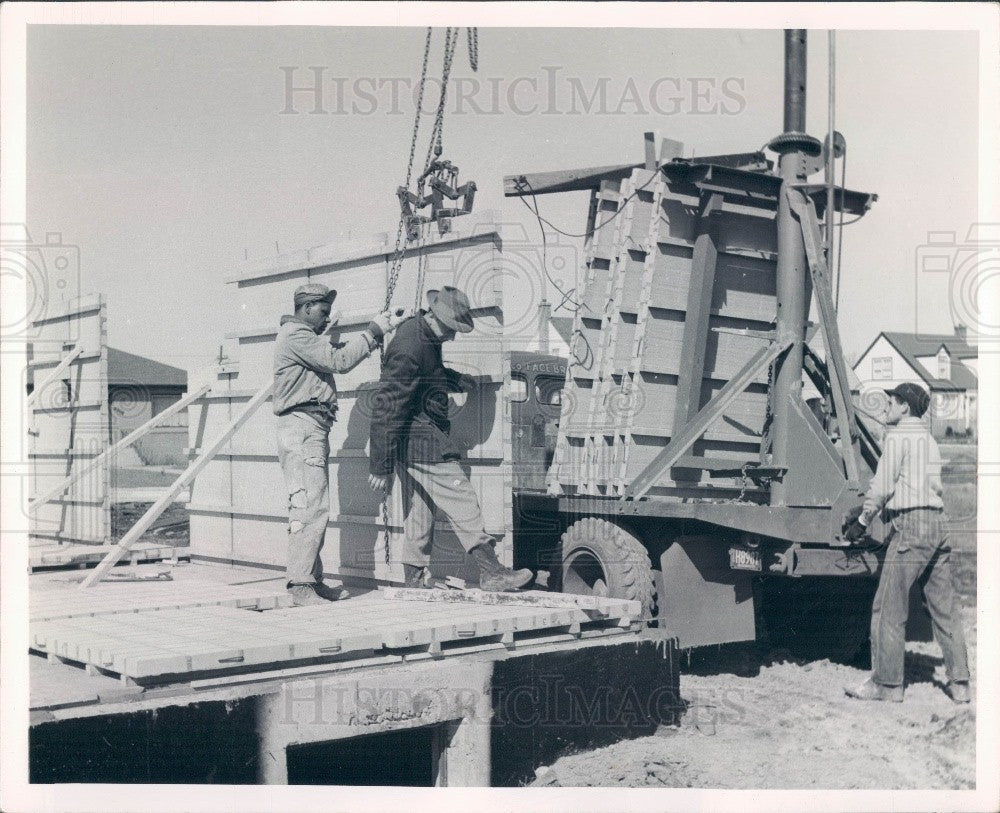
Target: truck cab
(536, 384)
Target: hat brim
(447, 316)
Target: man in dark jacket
(305, 402)
(410, 431)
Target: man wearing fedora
(410, 434)
(305, 402)
(907, 487)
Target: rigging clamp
(437, 186)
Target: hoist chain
(473, 48)
(397, 255)
(435, 146)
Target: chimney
(544, 313)
(961, 331)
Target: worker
(410, 434)
(907, 486)
(305, 401)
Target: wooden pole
(179, 485)
(58, 371)
(124, 443)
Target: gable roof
(929, 344)
(910, 345)
(130, 369)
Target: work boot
(959, 691)
(328, 593)
(304, 595)
(415, 576)
(493, 576)
(870, 690)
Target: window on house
(944, 364)
(882, 367)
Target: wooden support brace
(60, 368)
(682, 441)
(182, 482)
(124, 443)
(699, 303)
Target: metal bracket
(438, 183)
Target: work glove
(855, 531)
(852, 528)
(386, 322)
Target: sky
(171, 154)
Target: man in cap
(305, 401)
(410, 432)
(907, 486)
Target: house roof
(130, 369)
(910, 346)
(929, 344)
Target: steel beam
(803, 209)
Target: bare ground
(759, 718)
(790, 725)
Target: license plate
(744, 559)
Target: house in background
(946, 365)
(138, 389)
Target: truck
(672, 456)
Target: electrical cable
(522, 183)
(566, 296)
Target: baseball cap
(313, 292)
(912, 394)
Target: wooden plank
(564, 180)
(528, 598)
(179, 485)
(682, 441)
(696, 317)
(124, 443)
(53, 375)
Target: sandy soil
(758, 718)
(777, 723)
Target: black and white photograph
(582, 405)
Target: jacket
(410, 410)
(304, 364)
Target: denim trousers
(918, 547)
(304, 451)
(444, 486)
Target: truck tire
(601, 558)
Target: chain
(745, 482)
(397, 255)
(435, 146)
(421, 266)
(473, 48)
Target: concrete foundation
(468, 721)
